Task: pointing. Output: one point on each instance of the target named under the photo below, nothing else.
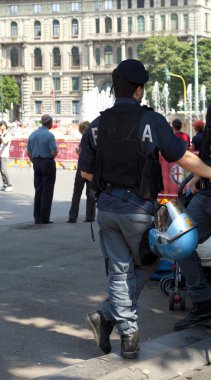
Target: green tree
(159, 52)
(204, 63)
(9, 92)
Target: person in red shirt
(177, 126)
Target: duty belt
(204, 184)
(128, 196)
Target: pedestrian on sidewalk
(198, 126)
(42, 150)
(177, 128)
(5, 142)
(78, 188)
(121, 149)
(200, 210)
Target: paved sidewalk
(51, 276)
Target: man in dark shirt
(117, 148)
(197, 139)
(42, 150)
(177, 126)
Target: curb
(178, 352)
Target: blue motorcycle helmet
(175, 234)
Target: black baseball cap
(133, 71)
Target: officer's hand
(87, 176)
(193, 183)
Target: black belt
(128, 196)
(204, 184)
(42, 158)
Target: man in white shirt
(5, 142)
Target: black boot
(130, 345)
(102, 330)
(199, 314)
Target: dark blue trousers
(90, 205)
(44, 181)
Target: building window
(129, 24)
(118, 5)
(75, 107)
(38, 106)
(97, 25)
(55, 7)
(13, 9)
(108, 4)
(108, 55)
(129, 4)
(130, 53)
(75, 84)
(174, 3)
(56, 57)
(119, 24)
(75, 57)
(56, 83)
(75, 29)
(97, 5)
(185, 2)
(37, 8)
(162, 3)
(163, 22)
(37, 58)
(108, 25)
(139, 49)
(206, 21)
(14, 57)
(151, 3)
(74, 7)
(152, 23)
(118, 55)
(97, 56)
(140, 3)
(106, 85)
(37, 29)
(141, 24)
(38, 84)
(14, 29)
(58, 106)
(186, 26)
(56, 28)
(174, 22)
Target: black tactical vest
(120, 161)
(205, 151)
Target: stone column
(90, 45)
(122, 43)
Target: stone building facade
(58, 49)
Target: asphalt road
(51, 277)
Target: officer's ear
(139, 92)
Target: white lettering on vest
(94, 135)
(147, 133)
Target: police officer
(42, 150)
(200, 209)
(121, 149)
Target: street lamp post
(168, 74)
(184, 88)
(196, 76)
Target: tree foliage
(9, 92)
(159, 52)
